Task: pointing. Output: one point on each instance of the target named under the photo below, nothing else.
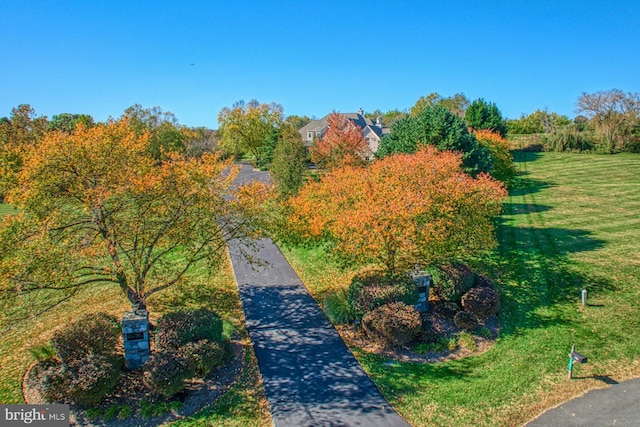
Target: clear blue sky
(195, 57)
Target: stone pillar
(135, 332)
(423, 282)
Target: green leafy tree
(483, 115)
(289, 163)
(441, 128)
(388, 118)
(264, 155)
(298, 121)
(540, 121)
(67, 122)
(457, 103)
(166, 135)
(244, 128)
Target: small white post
(584, 296)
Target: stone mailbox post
(423, 282)
(135, 331)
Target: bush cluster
(205, 355)
(92, 377)
(165, 372)
(570, 139)
(466, 320)
(393, 324)
(450, 282)
(178, 328)
(86, 368)
(189, 343)
(95, 333)
(483, 302)
(372, 289)
(336, 306)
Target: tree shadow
(525, 208)
(524, 186)
(533, 266)
(521, 156)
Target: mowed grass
(245, 403)
(572, 222)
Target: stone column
(135, 332)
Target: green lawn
(572, 221)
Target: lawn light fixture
(575, 357)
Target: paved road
(618, 405)
(310, 376)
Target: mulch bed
(131, 391)
(442, 323)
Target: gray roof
(363, 122)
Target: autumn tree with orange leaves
(401, 210)
(342, 144)
(95, 207)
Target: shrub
(570, 139)
(49, 379)
(372, 289)
(466, 320)
(337, 308)
(92, 377)
(95, 333)
(482, 302)
(205, 355)
(165, 372)
(466, 340)
(42, 352)
(450, 282)
(393, 324)
(503, 168)
(181, 327)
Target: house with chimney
(372, 132)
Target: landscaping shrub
(49, 379)
(92, 377)
(393, 324)
(569, 139)
(450, 282)
(372, 289)
(165, 372)
(466, 320)
(482, 302)
(337, 308)
(205, 355)
(499, 148)
(181, 327)
(95, 333)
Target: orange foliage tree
(401, 210)
(499, 148)
(96, 207)
(342, 144)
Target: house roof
(363, 122)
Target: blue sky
(195, 57)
